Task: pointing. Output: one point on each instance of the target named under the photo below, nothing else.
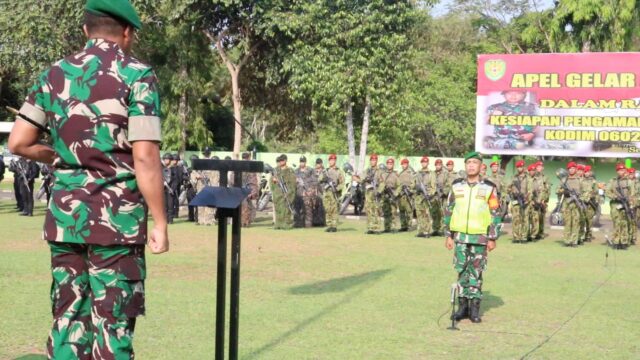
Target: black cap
(207, 150)
(175, 157)
(227, 157)
(246, 156)
(303, 159)
(167, 156)
(283, 157)
(318, 161)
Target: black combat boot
(475, 311)
(463, 310)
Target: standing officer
(206, 214)
(388, 187)
(192, 184)
(307, 190)
(589, 192)
(518, 192)
(284, 191)
(372, 206)
(404, 194)
(168, 178)
(106, 161)
(571, 212)
(332, 180)
(30, 171)
(621, 191)
(425, 185)
(319, 218)
(17, 179)
(472, 226)
(483, 170)
(451, 175)
(177, 182)
(439, 202)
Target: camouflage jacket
(621, 188)
(520, 187)
(372, 179)
(406, 178)
(288, 178)
(96, 103)
(498, 180)
(307, 181)
(442, 182)
(589, 190)
(537, 189)
(389, 183)
(427, 179)
(332, 175)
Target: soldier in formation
(372, 196)
(439, 202)
(307, 186)
(573, 207)
(284, 191)
(404, 194)
(388, 187)
(622, 194)
(425, 185)
(519, 195)
(332, 180)
(249, 181)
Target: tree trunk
(183, 111)
(237, 112)
(365, 135)
(350, 133)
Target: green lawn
(307, 294)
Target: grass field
(307, 294)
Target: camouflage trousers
(621, 225)
(541, 218)
(406, 212)
(532, 222)
(586, 233)
(309, 202)
(206, 215)
(372, 208)
(390, 213)
(519, 223)
(470, 260)
(437, 214)
(248, 212)
(97, 292)
(423, 216)
(573, 223)
(283, 216)
(331, 208)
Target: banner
(585, 104)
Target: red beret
(532, 167)
(620, 167)
(390, 160)
(520, 163)
(373, 157)
(580, 167)
(438, 161)
(539, 163)
(494, 164)
(587, 168)
(484, 166)
(571, 164)
(631, 170)
(424, 159)
(404, 161)
(332, 156)
(450, 162)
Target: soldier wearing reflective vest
(472, 226)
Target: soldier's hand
(491, 245)
(159, 240)
(449, 243)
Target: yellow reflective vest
(471, 213)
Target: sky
(442, 7)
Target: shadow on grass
(359, 282)
(337, 284)
(31, 357)
(490, 301)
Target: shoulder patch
(458, 180)
(489, 182)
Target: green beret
(119, 9)
(473, 155)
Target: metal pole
(222, 275)
(235, 275)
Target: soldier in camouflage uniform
(307, 191)
(497, 177)
(633, 228)
(404, 193)
(192, 185)
(319, 218)
(283, 188)
(536, 188)
(372, 204)
(511, 136)
(387, 188)
(207, 215)
(620, 190)
(250, 181)
(571, 210)
(483, 171)
(103, 110)
(544, 198)
(589, 192)
(168, 177)
(472, 226)
(439, 201)
(451, 175)
(425, 185)
(332, 180)
(518, 192)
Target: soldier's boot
(370, 232)
(463, 310)
(421, 235)
(475, 311)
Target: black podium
(227, 200)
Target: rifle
(519, 196)
(423, 189)
(407, 193)
(23, 175)
(573, 196)
(332, 186)
(625, 203)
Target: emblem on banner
(495, 69)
